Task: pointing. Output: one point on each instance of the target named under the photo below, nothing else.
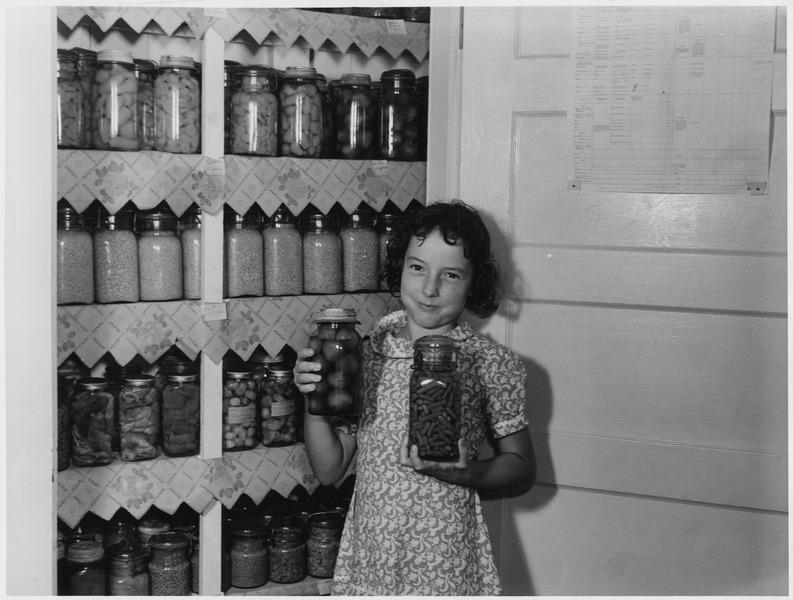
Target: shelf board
(310, 586)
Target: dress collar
(384, 340)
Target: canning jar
(434, 424)
(324, 535)
(74, 258)
(301, 113)
(85, 563)
(240, 411)
(322, 255)
(191, 253)
(254, 111)
(229, 66)
(71, 370)
(283, 255)
(327, 144)
(116, 375)
(260, 361)
(417, 14)
(177, 106)
(70, 102)
(181, 416)
(115, 102)
(63, 446)
(146, 72)
(385, 231)
(422, 101)
(62, 575)
(119, 529)
(399, 113)
(169, 567)
(244, 254)
(338, 348)
(116, 257)
(288, 560)
(355, 117)
(86, 72)
(249, 554)
(91, 413)
(159, 255)
(279, 408)
(139, 418)
(361, 249)
(127, 574)
(150, 527)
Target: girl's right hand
(306, 372)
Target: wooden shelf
(310, 586)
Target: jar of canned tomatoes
(399, 116)
(177, 106)
(115, 102)
(301, 113)
(240, 411)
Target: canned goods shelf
(310, 586)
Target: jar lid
(240, 374)
(144, 64)
(67, 55)
(362, 218)
(152, 526)
(342, 315)
(171, 61)
(169, 540)
(122, 56)
(182, 378)
(85, 551)
(289, 524)
(139, 379)
(279, 371)
(92, 383)
(250, 528)
(398, 75)
(124, 551)
(326, 520)
(156, 219)
(429, 342)
(85, 54)
(262, 356)
(258, 70)
(300, 73)
(118, 373)
(61, 550)
(355, 78)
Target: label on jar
(281, 409)
(242, 415)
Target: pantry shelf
(310, 586)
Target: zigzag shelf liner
(147, 178)
(276, 26)
(149, 329)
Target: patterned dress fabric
(408, 533)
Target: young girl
(415, 527)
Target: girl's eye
(414, 267)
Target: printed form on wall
(671, 99)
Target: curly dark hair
(455, 220)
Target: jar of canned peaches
(115, 102)
(177, 106)
(240, 411)
(70, 102)
(301, 113)
(254, 112)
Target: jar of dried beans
(74, 258)
(169, 567)
(360, 248)
(283, 255)
(288, 551)
(115, 249)
(244, 254)
(322, 255)
(324, 535)
(249, 554)
(159, 255)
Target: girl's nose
(430, 287)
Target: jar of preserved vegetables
(324, 535)
(74, 258)
(150, 527)
(280, 404)
(434, 424)
(361, 249)
(70, 102)
(249, 554)
(191, 253)
(62, 575)
(301, 113)
(127, 574)
(86, 72)
(119, 529)
(115, 375)
(85, 563)
(422, 101)
(115, 103)
(355, 118)
(244, 253)
(283, 255)
(322, 255)
(338, 348)
(64, 445)
(139, 418)
(159, 255)
(254, 111)
(399, 114)
(169, 567)
(177, 106)
(288, 552)
(91, 413)
(229, 66)
(240, 411)
(385, 231)
(115, 248)
(181, 416)
(146, 72)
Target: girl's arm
(329, 450)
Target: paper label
(218, 13)
(380, 167)
(324, 587)
(396, 27)
(214, 311)
(281, 409)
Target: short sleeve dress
(408, 533)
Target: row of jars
(416, 14)
(151, 255)
(112, 101)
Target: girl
(415, 527)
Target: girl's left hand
(409, 457)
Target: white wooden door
(654, 330)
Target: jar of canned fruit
(338, 349)
(240, 411)
(355, 117)
(146, 72)
(254, 112)
(139, 418)
(177, 106)
(115, 102)
(91, 415)
(280, 408)
(301, 113)
(70, 101)
(399, 116)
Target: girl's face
(436, 280)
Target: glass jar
(385, 231)
(195, 564)
(70, 102)
(115, 102)
(86, 72)
(62, 575)
(422, 101)
(119, 529)
(146, 72)
(91, 413)
(85, 563)
(327, 142)
(191, 253)
(301, 113)
(139, 418)
(254, 112)
(72, 369)
(260, 361)
(240, 411)
(280, 401)
(115, 375)
(74, 258)
(64, 445)
(355, 117)
(324, 535)
(181, 416)
(434, 424)
(322, 255)
(361, 250)
(417, 14)
(115, 248)
(337, 347)
(288, 553)
(244, 254)
(127, 574)
(169, 567)
(249, 554)
(229, 66)
(159, 255)
(399, 114)
(149, 527)
(283, 255)
(177, 106)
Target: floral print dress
(409, 533)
